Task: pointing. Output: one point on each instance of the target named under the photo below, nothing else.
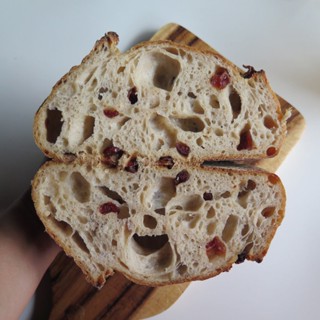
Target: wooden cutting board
(74, 298)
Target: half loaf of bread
(158, 226)
(159, 99)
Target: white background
(41, 40)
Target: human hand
(26, 252)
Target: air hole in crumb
(63, 175)
(83, 220)
(164, 193)
(100, 266)
(111, 194)
(194, 221)
(268, 212)
(182, 269)
(226, 194)
(193, 203)
(161, 124)
(192, 95)
(211, 228)
(158, 69)
(218, 132)
(123, 213)
(199, 142)
(245, 230)
(161, 211)
(120, 69)
(53, 123)
(146, 245)
(63, 226)
(211, 213)
(88, 127)
(246, 142)
(269, 122)
(192, 124)
(235, 102)
(48, 203)
(214, 102)
(166, 71)
(114, 243)
(149, 222)
(80, 187)
(172, 50)
(89, 74)
(197, 108)
(230, 228)
(80, 242)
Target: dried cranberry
(110, 113)
(111, 156)
(251, 185)
(220, 79)
(181, 177)
(207, 196)
(166, 161)
(108, 207)
(132, 166)
(132, 95)
(273, 178)
(241, 257)
(250, 72)
(183, 149)
(271, 151)
(246, 142)
(215, 247)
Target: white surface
(41, 40)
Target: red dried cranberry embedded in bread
(181, 177)
(183, 149)
(166, 161)
(110, 113)
(207, 196)
(132, 166)
(109, 207)
(215, 247)
(220, 79)
(133, 96)
(111, 156)
(273, 178)
(272, 151)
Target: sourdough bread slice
(158, 226)
(159, 99)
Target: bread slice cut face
(158, 226)
(160, 99)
